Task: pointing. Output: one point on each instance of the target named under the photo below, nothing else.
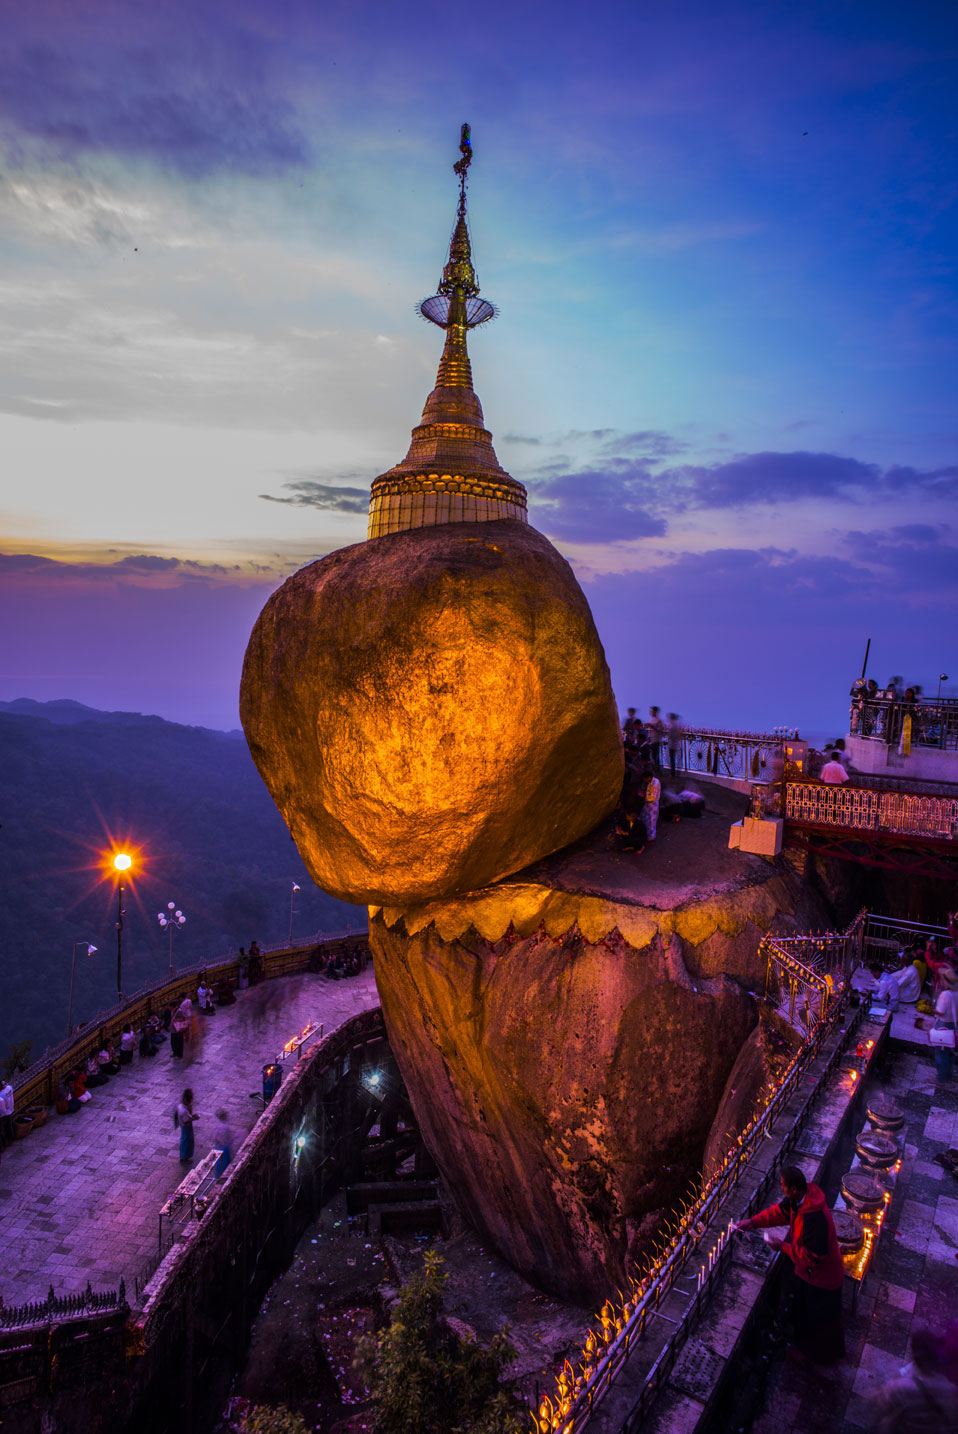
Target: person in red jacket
(818, 1272)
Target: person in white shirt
(833, 772)
(886, 988)
(946, 1015)
(6, 1113)
(909, 983)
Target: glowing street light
(292, 892)
(121, 864)
(171, 920)
(90, 949)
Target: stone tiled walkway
(914, 1280)
(79, 1198)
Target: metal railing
(746, 756)
(619, 1326)
(62, 1307)
(886, 937)
(934, 722)
(870, 809)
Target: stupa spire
(451, 473)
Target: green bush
(268, 1419)
(423, 1379)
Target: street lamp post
(90, 949)
(292, 892)
(121, 864)
(171, 920)
(942, 677)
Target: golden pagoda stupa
(431, 709)
(451, 473)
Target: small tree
(17, 1059)
(424, 1379)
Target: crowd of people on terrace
(180, 1027)
(648, 743)
(926, 977)
(879, 712)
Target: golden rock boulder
(432, 711)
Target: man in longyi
(818, 1272)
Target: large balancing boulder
(432, 711)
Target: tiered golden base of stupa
(421, 500)
(451, 473)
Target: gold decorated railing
(870, 809)
(805, 975)
(692, 1236)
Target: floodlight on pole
(942, 677)
(121, 864)
(90, 949)
(171, 920)
(293, 888)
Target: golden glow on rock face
(432, 711)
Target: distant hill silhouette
(71, 780)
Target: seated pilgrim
(909, 982)
(94, 1076)
(106, 1060)
(127, 1045)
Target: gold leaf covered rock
(432, 711)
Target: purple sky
(723, 241)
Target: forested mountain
(76, 784)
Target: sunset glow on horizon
(722, 243)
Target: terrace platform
(80, 1197)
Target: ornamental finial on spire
(457, 300)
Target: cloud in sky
(620, 497)
(729, 635)
(327, 497)
(190, 95)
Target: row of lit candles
(295, 1041)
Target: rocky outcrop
(759, 1067)
(432, 710)
(567, 1047)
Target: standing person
(818, 1271)
(650, 812)
(223, 1139)
(185, 1116)
(833, 772)
(630, 727)
(127, 1045)
(656, 730)
(6, 1113)
(675, 735)
(946, 1019)
(179, 1028)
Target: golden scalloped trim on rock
(728, 912)
(527, 906)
